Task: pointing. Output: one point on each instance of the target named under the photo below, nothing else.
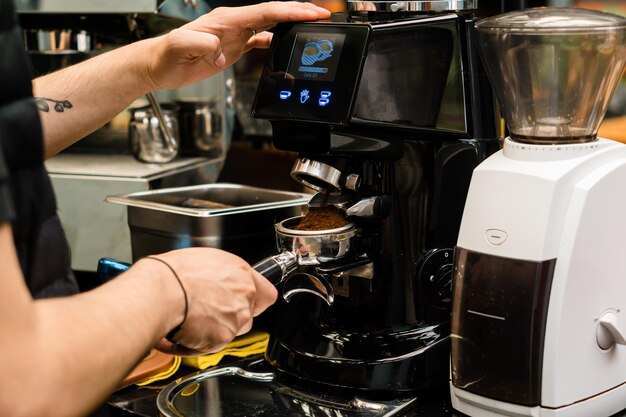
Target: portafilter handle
(279, 268)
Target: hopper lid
(553, 19)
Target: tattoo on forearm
(59, 105)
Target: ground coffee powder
(322, 218)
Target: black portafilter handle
(277, 267)
(270, 269)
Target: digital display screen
(312, 72)
(315, 56)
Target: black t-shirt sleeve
(19, 123)
(7, 212)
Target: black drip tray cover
(251, 389)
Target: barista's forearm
(79, 99)
(64, 356)
(94, 339)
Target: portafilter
(305, 248)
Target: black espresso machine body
(389, 116)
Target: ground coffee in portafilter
(322, 218)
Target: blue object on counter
(110, 268)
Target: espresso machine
(389, 110)
(539, 293)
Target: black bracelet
(171, 334)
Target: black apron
(25, 189)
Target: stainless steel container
(200, 128)
(166, 219)
(146, 138)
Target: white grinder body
(553, 217)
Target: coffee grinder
(538, 317)
(390, 112)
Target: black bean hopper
(390, 111)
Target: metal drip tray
(252, 389)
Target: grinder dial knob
(608, 331)
(435, 275)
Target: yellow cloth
(252, 343)
(163, 375)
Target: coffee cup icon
(316, 51)
(326, 47)
(312, 53)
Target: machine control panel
(312, 72)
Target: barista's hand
(223, 293)
(216, 40)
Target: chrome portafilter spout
(303, 248)
(365, 208)
(337, 185)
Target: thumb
(266, 293)
(260, 41)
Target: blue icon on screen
(304, 96)
(324, 98)
(284, 94)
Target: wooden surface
(614, 128)
(153, 364)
